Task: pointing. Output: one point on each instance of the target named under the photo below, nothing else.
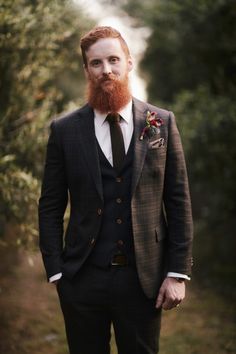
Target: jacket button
(118, 179)
(118, 200)
(118, 221)
(92, 242)
(120, 242)
(99, 211)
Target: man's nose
(106, 68)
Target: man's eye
(95, 63)
(114, 60)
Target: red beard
(110, 98)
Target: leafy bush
(40, 68)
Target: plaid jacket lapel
(140, 146)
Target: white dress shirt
(102, 132)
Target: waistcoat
(115, 235)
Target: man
(127, 247)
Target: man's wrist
(178, 276)
(55, 277)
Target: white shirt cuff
(177, 275)
(55, 277)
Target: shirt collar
(125, 112)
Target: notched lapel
(86, 132)
(140, 146)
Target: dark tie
(117, 141)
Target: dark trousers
(97, 298)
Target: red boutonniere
(152, 127)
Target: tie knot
(113, 118)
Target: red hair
(97, 33)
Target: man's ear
(130, 63)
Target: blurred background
(185, 53)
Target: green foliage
(40, 68)
(192, 43)
(19, 190)
(208, 129)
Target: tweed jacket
(160, 204)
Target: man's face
(107, 61)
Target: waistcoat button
(99, 211)
(118, 221)
(120, 242)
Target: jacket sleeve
(52, 204)
(177, 205)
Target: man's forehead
(108, 45)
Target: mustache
(107, 77)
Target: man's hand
(171, 293)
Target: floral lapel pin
(152, 127)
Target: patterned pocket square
(156, 143)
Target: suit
(162, 231)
